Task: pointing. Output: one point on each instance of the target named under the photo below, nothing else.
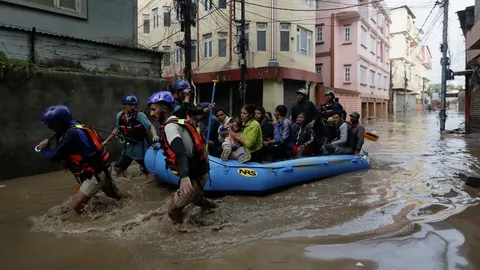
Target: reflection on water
(426, 249)
(413, 180)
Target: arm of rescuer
(73, 141)
(142, 118)
(343, 135)
(114, 131)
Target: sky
(433, 30)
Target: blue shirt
(74, 141)
(283, 133)
(135, 151)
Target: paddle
(211, 112)
(370, 136)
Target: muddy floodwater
(409, 211)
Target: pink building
(352, 48)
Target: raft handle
(288, 170)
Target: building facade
(410, 61)
(113, 21)
(470, 23)
(280, 57)
(352, 47)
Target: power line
(325, 9)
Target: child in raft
(304, 137)
(231, 148)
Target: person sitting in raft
(304, 137)
(185, 155)
(251, 138)
(265, 123)
(339, 146)
(269, 115)
(303, 105)
(281, 145)
(213, 144)
(344, 116)
(232, 148)
(133, 124)
(182, 106)
(356, 136)
(81, 151)
(329, 131)
(223, 118)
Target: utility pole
(445, 61)
(186, 11)
(243, 48)
(405, 105)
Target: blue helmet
(129, 99)
(180, 85)
(162, 96)
(56, 114)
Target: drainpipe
(230, 39)
(135, 24)
(332, 51)
(273, 36)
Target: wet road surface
(409, 211)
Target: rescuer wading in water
(185, 155)
(81, 150)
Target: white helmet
(302, 91)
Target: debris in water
(1, 186)
(359, 264)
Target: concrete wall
(101, 20)
(94, 100)
(51, 50)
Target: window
(381, 53)
(347, 32)
(373, 43)
(317, 4)
(146, 23)
(347, 74)
(261, 37)
(363, 37)
(222, 3)
(304, 41)
(178, 55)
(222, 44)
(193, 52)
(319, 33)
(379, 82)
(372, 77)
(208, 5)
(166, 55)
(76, 8)
(318, 68)
(385, 82)
(409, 23)
(363, 74)
(155, 17)
(207, 46)
(167, 18)
(284, 37)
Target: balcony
(426, 58)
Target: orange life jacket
(132, 128)
(85, 167)
(200, 152)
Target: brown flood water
(409, 211)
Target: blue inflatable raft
(233, 177)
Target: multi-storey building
(410, 61)
(352, 47)
(280, 55)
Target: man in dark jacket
(303, 105)
(265, 123)
(356, 136)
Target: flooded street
(409, 211)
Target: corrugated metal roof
(42, 32)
